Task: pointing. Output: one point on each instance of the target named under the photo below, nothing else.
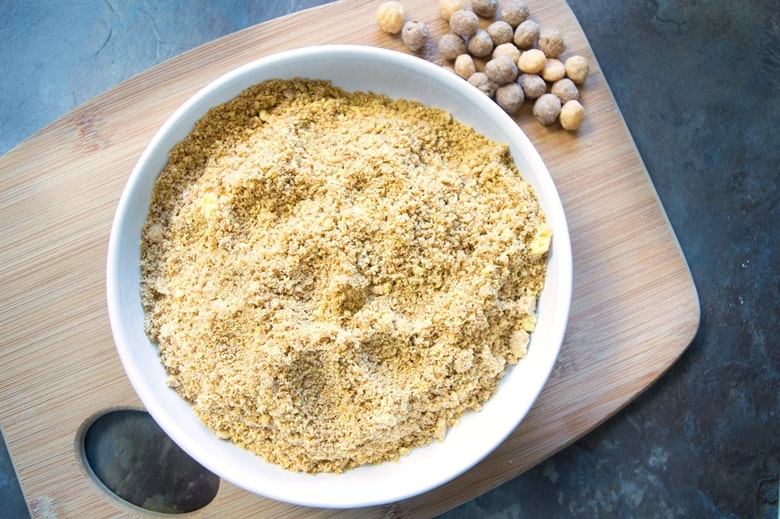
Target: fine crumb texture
(333, 279)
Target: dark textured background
(698, 82)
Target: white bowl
(352, 68)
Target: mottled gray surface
(120, 446)
(698, 83)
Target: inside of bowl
(399, 76)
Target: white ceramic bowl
(353, 68)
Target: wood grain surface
(634, 309)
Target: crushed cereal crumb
(333, 279)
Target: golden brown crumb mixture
(334, 278)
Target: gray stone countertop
(698, 82)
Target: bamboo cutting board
(634, 309)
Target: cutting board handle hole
(127, 455)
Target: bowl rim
(117, 285)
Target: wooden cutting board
(634, 309)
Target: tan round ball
(531, 61)
(451, 46)
(501, 32)
(447, 7)
(485, 8)
(514, 12)
(465, 66)
(501, 70)
(510, 97)
(554, 69)
(526, 34)
(464, 23)
(551, 43)
(482, 83)
(414, 34)
(533, 85)
(565, 90)
(547, 109)
(390, 17)
(572, 115)
(480, 44)
(577, 69)
(506, 49)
